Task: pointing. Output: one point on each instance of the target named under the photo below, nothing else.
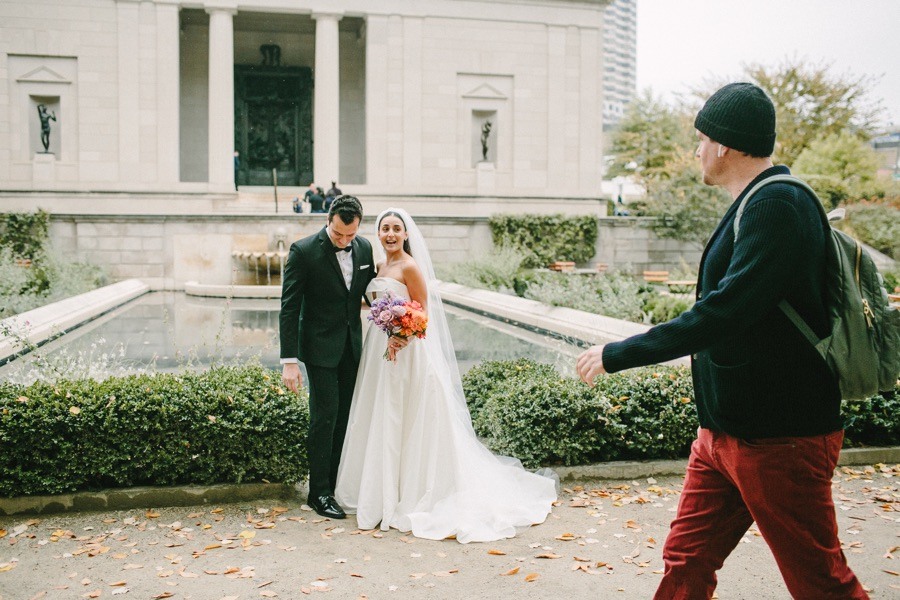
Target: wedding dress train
(411, 459)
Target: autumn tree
(650, 137)
(686, 208)
(813, 103)
(840, 166)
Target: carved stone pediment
(485, 91)
(42, 74)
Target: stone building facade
(143, 103)
(155, 96)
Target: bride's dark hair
(391, 213)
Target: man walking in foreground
(769, 408)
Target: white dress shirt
(345, 260)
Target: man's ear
(720, 152)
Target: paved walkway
(604, 540)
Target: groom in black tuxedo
(325, 279)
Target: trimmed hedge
(228, 424)
(524, 409)
(546, 238)
(237, 424)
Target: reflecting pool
(170, 331)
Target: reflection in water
(170, 331)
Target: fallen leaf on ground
(511, 572)
(531, 577)
(496, 552)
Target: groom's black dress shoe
(326, 506)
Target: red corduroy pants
(784, 484)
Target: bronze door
(273, 124)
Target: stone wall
(167, 251)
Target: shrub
(874, 421)
(525, 409)
(480, 381)
(655, 409)
(47, 279)
(548, 420)
(611, 294)
(891, 279)
(544, 239)
(24, 234)
(659, 308)
(877, 225)
(496, 271)
(229, 424)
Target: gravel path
(604, 539)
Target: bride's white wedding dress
(411, 459)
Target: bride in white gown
(411, 459)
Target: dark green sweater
(754, 374)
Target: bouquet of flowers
(398, 317)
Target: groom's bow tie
(347, 249)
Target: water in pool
(169, 331)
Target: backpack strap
(799, 323)
(775, 179)
(785, 307)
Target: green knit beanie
(740, 116)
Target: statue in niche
(45, 116)
(485, 133)
(271, 55)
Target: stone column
(168, 94)
(221, 98)
(128, 94)
(326, 101)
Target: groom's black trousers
(330, 394)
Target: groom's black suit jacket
(317, 309)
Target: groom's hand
(590, 364)
(291, 377)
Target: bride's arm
(415, 284)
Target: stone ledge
(638, 469)
(156, 497)
(46, 322)
(192, 288)
(147, 497)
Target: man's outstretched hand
(291, 377)
(590, 364)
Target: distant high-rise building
(619, 59)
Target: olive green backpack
(863, 348)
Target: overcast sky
(682, 43)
